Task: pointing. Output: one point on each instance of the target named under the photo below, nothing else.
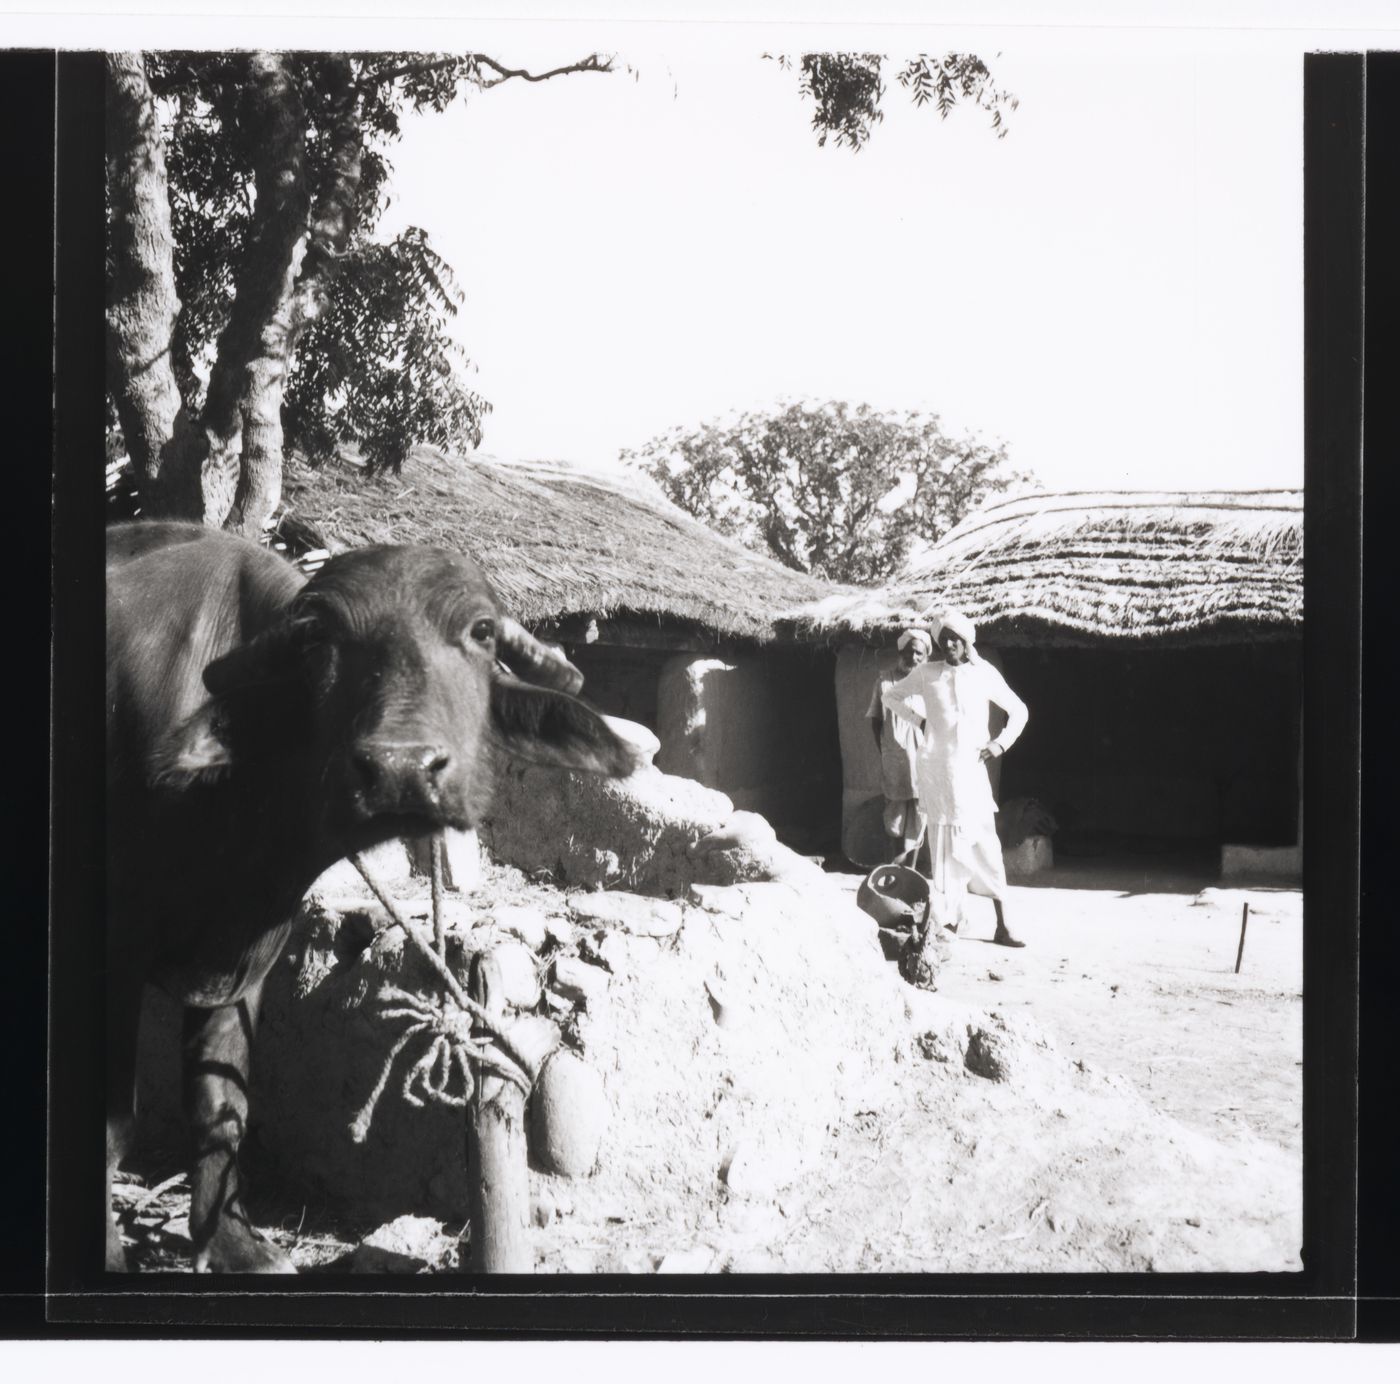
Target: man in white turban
(952, 702)
(899, 742)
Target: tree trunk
(142, 306)
(333, 216)
(228, 470)
(260, 476)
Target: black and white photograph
(704, 651)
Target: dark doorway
(1146, 747)
(779, 752)
(621, 681)
(796, 725)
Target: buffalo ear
(548, 727)
(269, 657)
(197, 749)
(201, 747)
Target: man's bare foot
(1003, 938)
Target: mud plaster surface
(1110, 1098)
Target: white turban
(955, 622)
(915, 636)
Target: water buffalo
(260, 727)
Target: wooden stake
(439, 927)
(497, 1175)
(1244, 923)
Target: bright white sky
(1115, 289)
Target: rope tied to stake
(463, 1037)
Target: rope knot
(463, 1039)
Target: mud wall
(863, 836)
(761, 728)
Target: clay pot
(895, 896)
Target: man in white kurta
(954, 790)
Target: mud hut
(1156, 636)
(673, 626)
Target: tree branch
(592, 63)
(413, 69)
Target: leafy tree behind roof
(838, 491)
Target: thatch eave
(557, 542)
(1107, 567)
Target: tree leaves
(374, 364)
(811, 484)
(378, 367)
(956, 77)
(847, 89)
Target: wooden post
(435, 865)
(497, 1173)
(1244, 923)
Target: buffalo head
(389, 676)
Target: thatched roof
(555, 540)
(1101, 565)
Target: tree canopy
(838, 491)
(251, 305)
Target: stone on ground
(568, 1115)
(408, 1244)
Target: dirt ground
(1132, 968)
(1153, 1121)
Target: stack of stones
(324, 1045)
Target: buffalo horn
(534, 661)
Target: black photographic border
(1349, 130)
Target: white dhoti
(964, 860)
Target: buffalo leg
(217, 1052)
(123, 1019)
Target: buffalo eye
(483, 631)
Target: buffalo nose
(400, 778)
